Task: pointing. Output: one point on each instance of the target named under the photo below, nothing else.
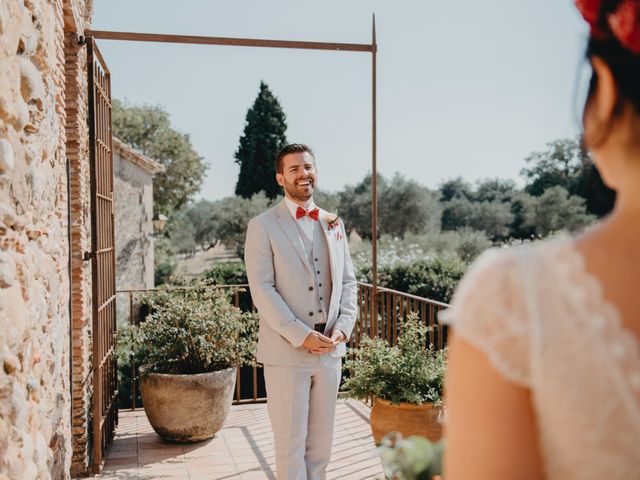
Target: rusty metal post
(96, 406)
(236, 42)
(374, 192)
(133, 355)
(104, 368)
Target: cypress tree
(263, 137)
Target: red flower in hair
(590, 10)
(625, 24)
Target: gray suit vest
(317, 253)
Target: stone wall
(35, 404)
(133, 192)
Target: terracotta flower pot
(187, 408)
(407, 418)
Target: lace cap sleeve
(488, 310)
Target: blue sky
(465, 88)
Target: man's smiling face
(298, 176)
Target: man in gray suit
(303, 285)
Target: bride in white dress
(544, 371)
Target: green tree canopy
(404, 206)
(201, 216)
(555, 210)
(455, 187)
(520, 228)
(491, 217)
(355, 204)
(231, 216)
(495, 189)
(193, 226)
(567, 164)
(181, 231)
(205, 223)
(148, 128)
(263, 136)
(330, 201)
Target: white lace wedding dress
(541, 319)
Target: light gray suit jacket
(279, 279)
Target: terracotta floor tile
(204, 469)
(120, 475)
(242, 450)
(131, 461)
(217, 476)
(210, 462)
(257, 476)
(163, 476)
(125, 471)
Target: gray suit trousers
(301, 404)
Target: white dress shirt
(306, 222)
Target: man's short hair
(292, 148)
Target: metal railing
(392, 306)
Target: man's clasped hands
(319, 344)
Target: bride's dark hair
(624, 64)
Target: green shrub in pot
(410, 372)
(190, 346)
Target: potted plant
(405, 381)
(190, 346)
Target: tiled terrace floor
(243, 449)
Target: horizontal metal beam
(241, 42)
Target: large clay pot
(187, 408)
(407, 418)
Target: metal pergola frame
(371, 48)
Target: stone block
(31, 86)
(28, 43)
(10, 362)
(7, 270)
(13, 109)
(8, 216)
(15, 311)
(14, 20)
(6, 157)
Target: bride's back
(544, 371)
(612, 256)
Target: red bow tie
(301, 212)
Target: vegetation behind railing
(392, 307)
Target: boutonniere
(333, 222)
